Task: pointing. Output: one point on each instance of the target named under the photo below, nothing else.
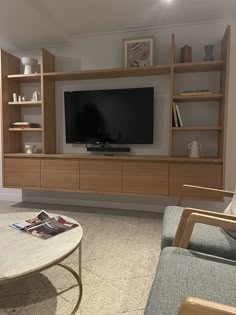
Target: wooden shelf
(109, 73)
(34, 77)
(25, 129)
(197, 128)
(199, 66)
(25, 103)
(197, 160)
(199, 98)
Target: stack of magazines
(44, 226)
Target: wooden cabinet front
(62, 174)
(22, 173)
(205, 175)
(100, 175)
(145, 178)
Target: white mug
(30, 148)
(194, 148)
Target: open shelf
(109, 73)
(199, 66)
(34, 77)
(25, 103)
(25, 129)
(197, 128)
(199, 98)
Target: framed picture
(138, 52)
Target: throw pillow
(231, 209)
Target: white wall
(105, 51)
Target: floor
(120, 254)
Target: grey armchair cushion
(207, 239)
(181, 273)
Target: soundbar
(108, 149)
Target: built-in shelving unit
(126, 174)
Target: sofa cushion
(207, 239)
(181, 273)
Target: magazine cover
(44, 226)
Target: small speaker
(108, 149)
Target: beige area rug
(119, 258)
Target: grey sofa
(183, 273)
(200, 280)
(207, 239)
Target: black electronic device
(103, 148)
(116, 116)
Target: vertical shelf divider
(223, 110)
(48, 103)
(172, 61)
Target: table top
(23, 253)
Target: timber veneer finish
(60, 174)
(195, 174)
(99, 175)
(22, 173)
(145, 178)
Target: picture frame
(138, 52)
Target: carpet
(119, 256)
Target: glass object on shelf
(208, 52)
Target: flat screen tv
(119, 116)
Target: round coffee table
(23, 254)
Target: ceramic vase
(208, 52)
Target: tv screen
(121, 116)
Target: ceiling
(42, 23)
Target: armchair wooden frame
(190, 217)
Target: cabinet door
(101, 175)
(205, 175)
(21, 173)
(145, 178)
(62, 174)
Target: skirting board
(100, 204)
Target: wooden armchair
(189, 282)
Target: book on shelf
(174, 113)
(24, 124)
(44, 226)
(196, 92)
(179, 115)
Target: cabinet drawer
(22, 173)
(145, 178)
(60, 174)
(98, 175)
(205, 175)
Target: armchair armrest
(188, 189)
(195, 306)
(226, 223)
(185, 216)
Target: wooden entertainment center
(118, 174)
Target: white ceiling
(39, 23)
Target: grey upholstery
(207, 239)
(181, 273)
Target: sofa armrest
(195, 306)
(225, 223)
(186, 190)
(185, 216)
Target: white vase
(29, 63)
(194, 148)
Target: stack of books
(23, 125)
(177, 120)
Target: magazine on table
(44, 226)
